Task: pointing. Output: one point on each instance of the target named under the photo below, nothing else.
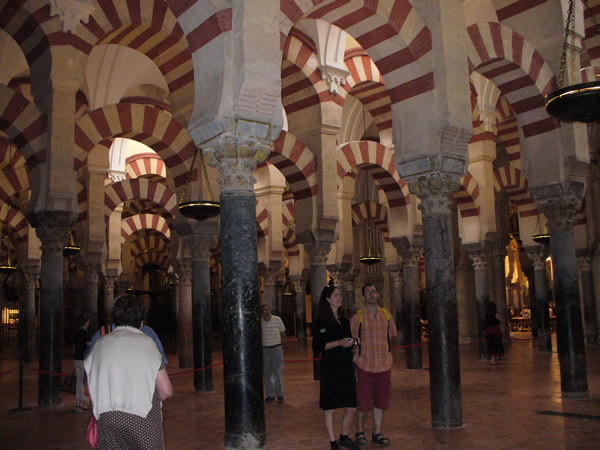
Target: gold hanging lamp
(71, 247)
(199, 209)
(541, 235)
(371, 254)
(6, 265)
(579, 102)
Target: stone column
(109, 297)
(349, 290)
(317, 251)
(52, 228)
(584, 264)
(270, 294)
(412, 308)
(478, 255)
(542, 316)
(185, 340)
(90, 306)
(338, 280)
(27, 315)
(397, 301)
(435, 190)
(300, 311)
(500, 288)
(201, 318)
(560, 213)
(242, 345)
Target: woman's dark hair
(81, 319)
(325, 312)
(128, 310)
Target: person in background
(374, 327)
(332, 340)
(127, 381)
(273, 332)
(81, 341)
(493, 334)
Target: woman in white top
(127, 381)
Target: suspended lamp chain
(568, 29)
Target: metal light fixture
(199, 209)
(71, 247)
(579, 102)
(371, 254)
(541, 235)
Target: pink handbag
(91, 434)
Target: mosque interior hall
(212, 156)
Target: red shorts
(373, 389)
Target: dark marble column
(542, 316)
(185, 338)
(349, 290)
(242, 345)
(318, 252)
(27, 315)
(109, 297)
(91, 295)
(201, 316)
(569, 328)
(397, 302)
(52, 228)
(435, 191)
(478, 255)
(499, 254)
(300, 311)
(584, 263)
(270, 294)
(412, 307)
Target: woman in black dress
(493, 334)
(332, 340)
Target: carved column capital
(71, 12)
(29, 280)
(318, 252)
(299, 284)
(537, 255)
(184, 275)
(560, 211)
(396, 277)
(584, 263)
(435, 192)
(199, 246)
(109, 282)
(337, 276)
(270, 277)
(478, 253)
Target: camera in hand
(355, 340)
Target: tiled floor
(501, 407)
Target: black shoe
(348, 443)
(380, 439)
(269, 399)
(280, 399)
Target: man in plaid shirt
(374, 327)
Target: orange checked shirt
(374, 353)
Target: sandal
(380, 439)
(360, 438)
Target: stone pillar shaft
(589, 300)
(482, 293)
(542, 315)
(185, 341)
(300, 312)
(27, 314)
(500, 292)
(109, 297)
(412, 312)
(91, 296)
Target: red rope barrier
(6, 372)
(183, 372)
(45, 372)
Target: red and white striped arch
(147, 165)
(466, 197)
(159, 258)
(378, 161)
(517, 69)
(149, 242)
(146, 124)
(151, 28)
(367, 85)
(24, 125)
(376, 212)
(14, 183)
(297, 164)
(391, 32)
(290, 243)
(144, 222)
(513, 181)
(18, 226)
(591, 42)
(508, 134)
(139, 188)
(262, 219)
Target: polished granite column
(444, 362)
(560, 213)
(270, 294)
(498, 255)
(201, 315)
(542, 316)
(242, 337)
(584, 263)
(412, 307)
(318, 251)
(52, 228)
(299, 284)
(478, 255)
(397, 301)
(185, 336)
(27, 315)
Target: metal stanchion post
(20, 408)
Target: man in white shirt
(273, 331)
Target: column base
(445, 426)
(576, 395)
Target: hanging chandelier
(371, 254)
(199, 209)
(71, 247)
(578, 102)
